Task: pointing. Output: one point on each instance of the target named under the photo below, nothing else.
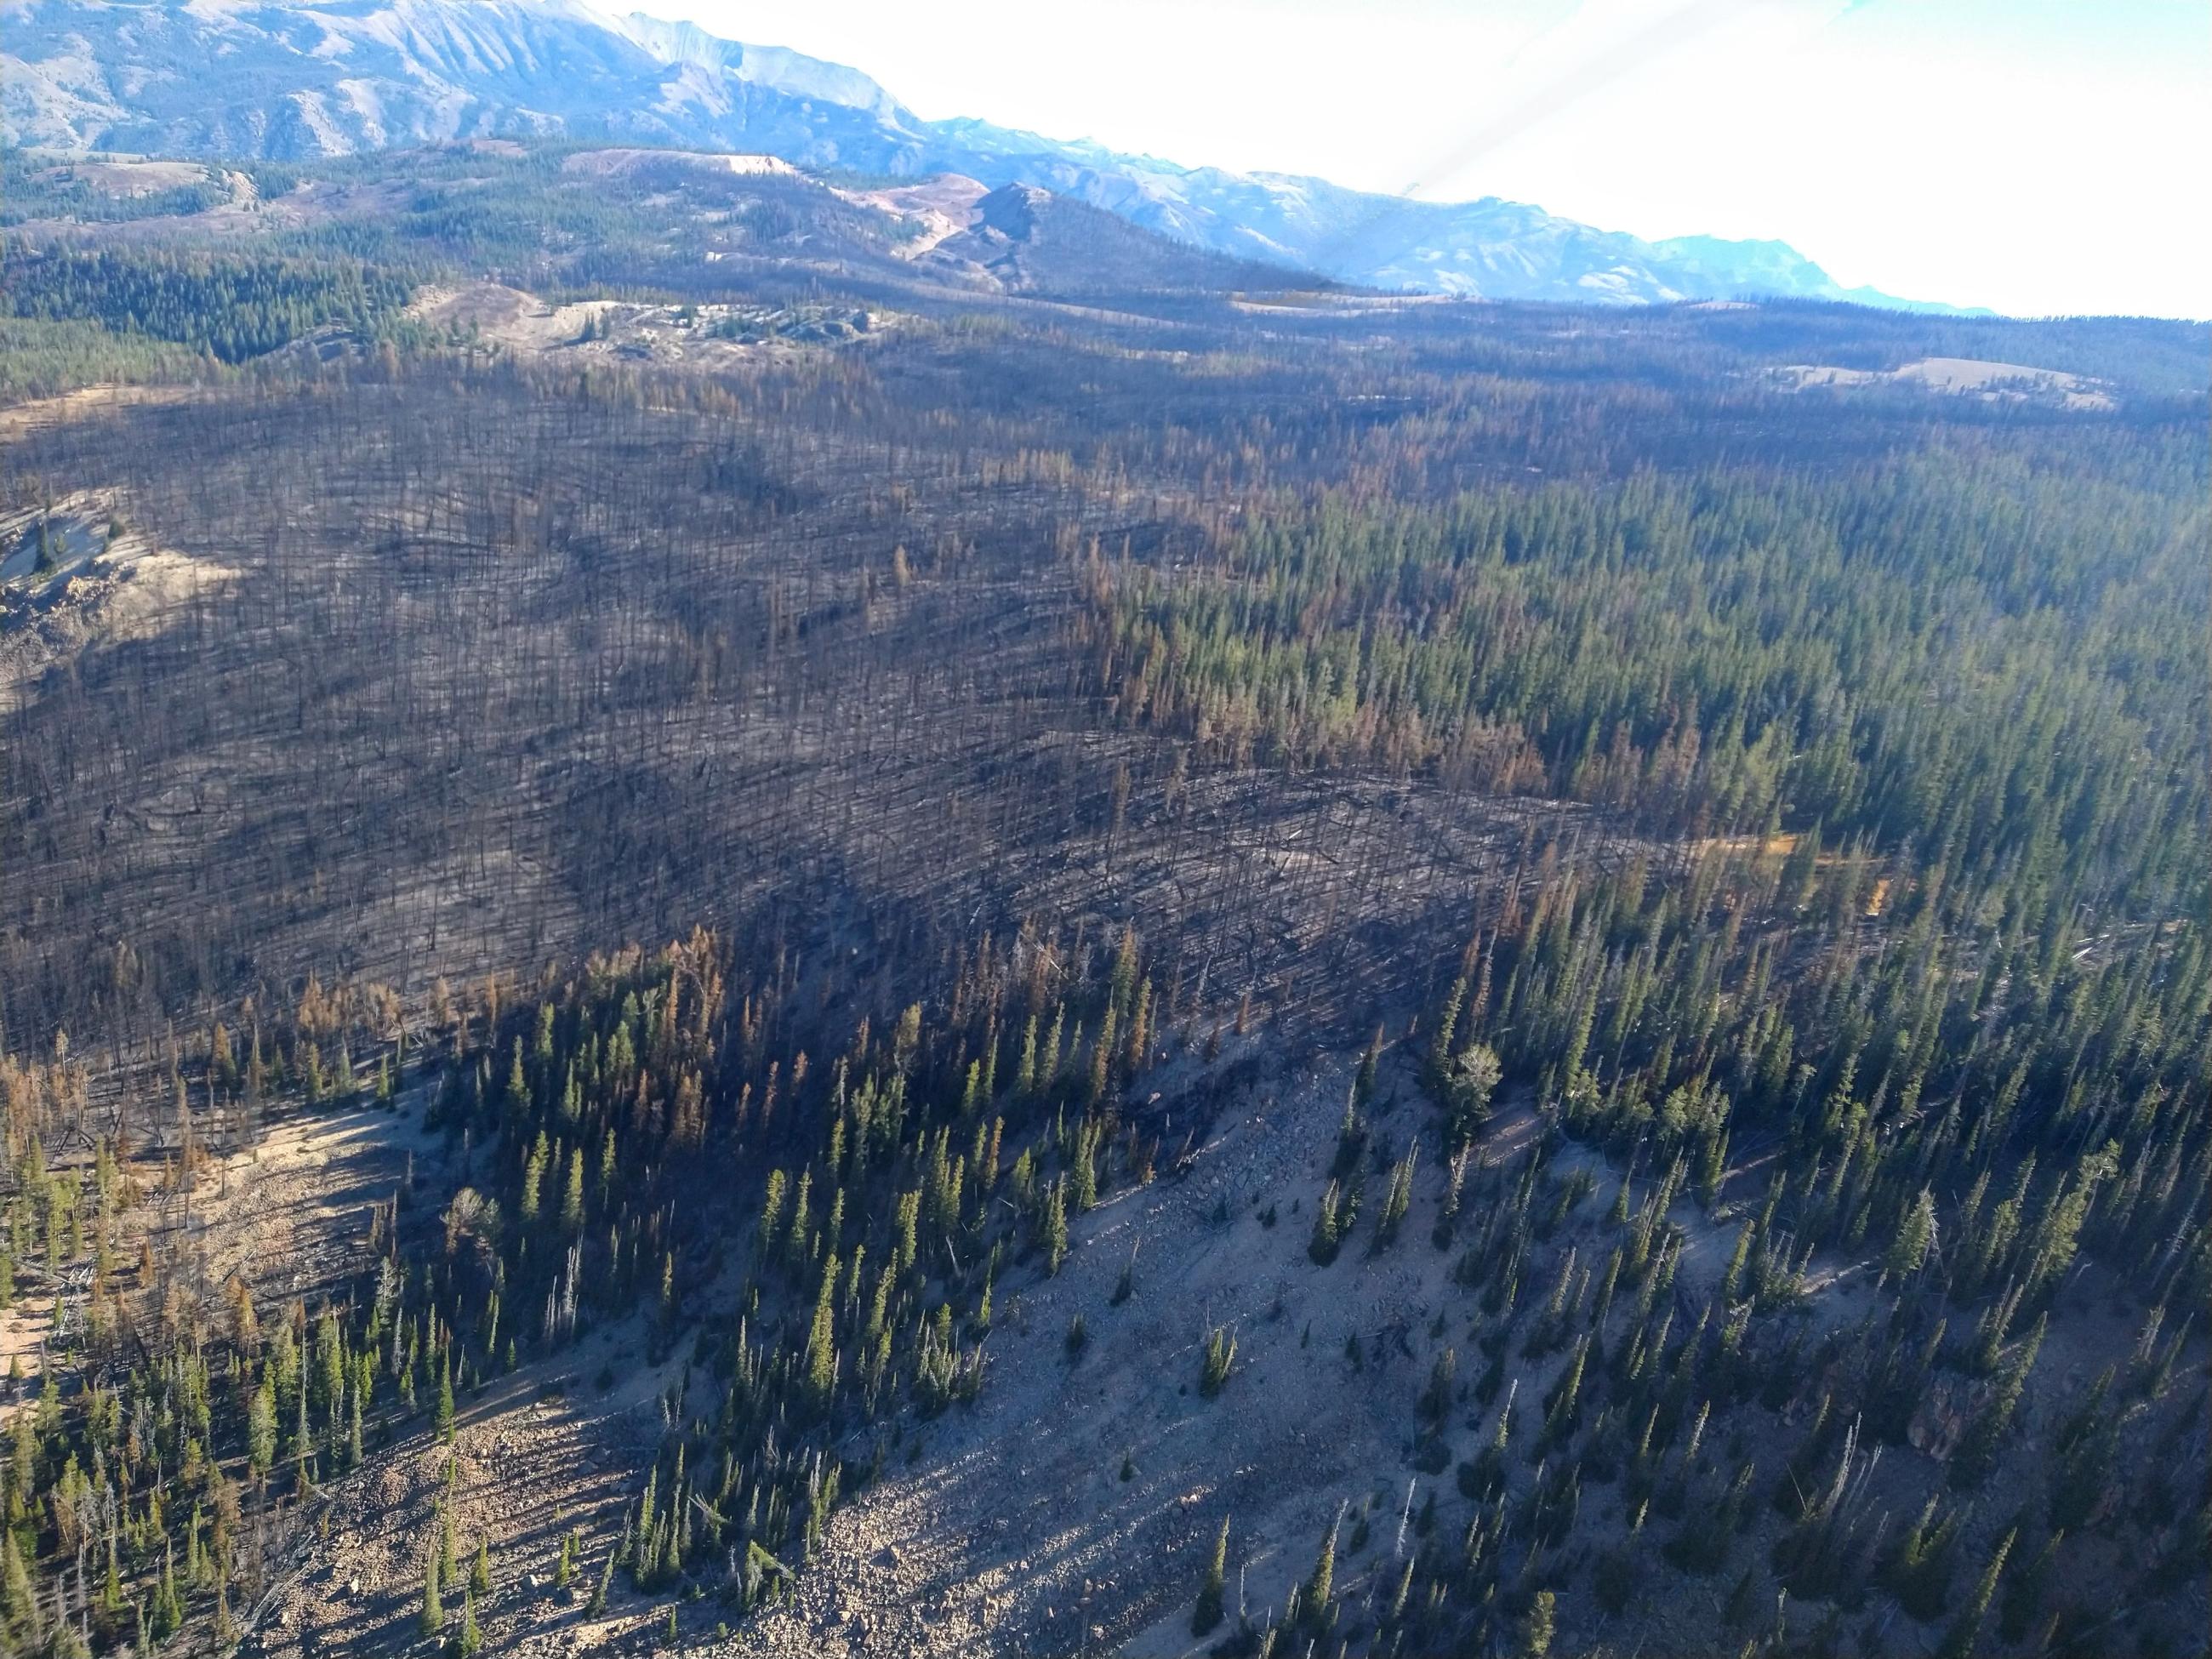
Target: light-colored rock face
(937, 208)
(318, 77)
(75, 573)
(619, 163)
(290, 81)
(1991, 382)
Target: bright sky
(2031, 155)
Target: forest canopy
(1966, 652)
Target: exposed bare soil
(940, 207)
(87, 586)
(1991, 381)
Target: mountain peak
(1013, 208)
(777, 67)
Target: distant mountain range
(290, 79)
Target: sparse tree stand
(564, 1568)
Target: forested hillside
(716, 932)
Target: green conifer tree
(1536, 1630)
(1958, 1641)
(433, 1619)
(1052, 1231)
(1208, 1612)
(1322, 1585)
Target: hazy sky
(2035, 155)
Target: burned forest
(722, 933)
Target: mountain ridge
(290, 79)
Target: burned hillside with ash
(524, 672)
(715, 935)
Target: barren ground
(1991, 381)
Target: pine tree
(1101, 1059)
(533, 1172)
(1915, 1237)
(1439, 1057)
(1399, 1198)
(1220, 1355)
(2085, 1447)
(1322, 1585)
(1743, 1600)
(572, 1203)
(1536, 1629)
(1052, 1232)
(518, 1090)
(1435, 1400)
(433, 1609)
(261, 1425)
(445, 1415)
(821, 1344)
(1732, 1278)
(1958, 1640)
(469, 1639)
(1328, 1228)
(1468, 1085)
(1978, 1449)
(1918, 1572)
(1208, 1612)
(1025, 1077)
(2024, 1587)
(303, 1444)
(169, 1605)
